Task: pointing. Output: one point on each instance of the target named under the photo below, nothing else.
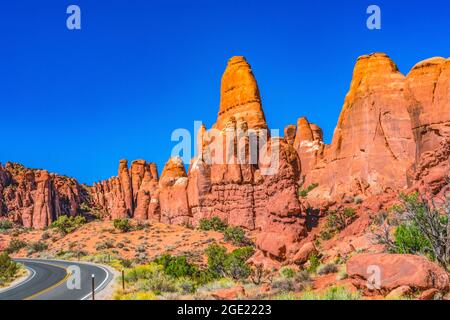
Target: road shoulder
(27, 275)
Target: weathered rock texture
(237, 189)
(396, 270)
(392, 134)
(133, 193)
(388, 135)
(35, 198)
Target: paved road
(48, 281)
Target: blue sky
(75, 102)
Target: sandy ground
(101, 237)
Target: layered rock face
(387, 123)
(173, 195)
(308, 143)
(239, 96)
(429, 82)
(236, 186)
(133, 193)
(35, 198)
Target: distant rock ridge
(393, 134)
(34, 198)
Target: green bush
(5, 225)
(294, 281)
(287, 272)
(314, 262)
(221, 263)
(123, 225)
(186, 285)
(216, 259)
(409, 239)
(235, 235)
(158, 283)
(176, 267)
(150, 277)
(8, 269)
(66, 224)
(214, 224)
(327, 268)
(15, 245)
(304, 192)
(420, 229)
(236, 263)
(337, 221)
(37, 246)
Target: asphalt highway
(51, 280)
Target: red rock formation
(429, 82)
(309, 144)
(133, 193)
(173, 195)
(236, 189)
(239, 96)
(35, 198)
(397, 270)
(373, 144)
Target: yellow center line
(53, 286)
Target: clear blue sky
(75, 102)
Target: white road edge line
(108, 274)
(101, 284)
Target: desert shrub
(337, 221)
(333, 293)
(5, 225)
(150, 277)
(287, 272)
(297, 282)
(185, 285)
(304, 192)
(176, 267)
(15, 245)
(327, 268)
(409, 239)
(140, 225)
(37, 246)
(215, 224)
(222, 283)
(66, 224)
(314, 262)
(358, 200)
(142, 272)
(126, 263)
(216, 259)
(422, 230)
(159, 282)
(235, 235)
(135, 296)
(236, 263)
(107, 244)
(8, 269)
(45, 236)
(222, 264)
(123, 225)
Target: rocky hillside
(393, 135)
(35, 198)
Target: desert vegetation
(9, 270)
(418, 229)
